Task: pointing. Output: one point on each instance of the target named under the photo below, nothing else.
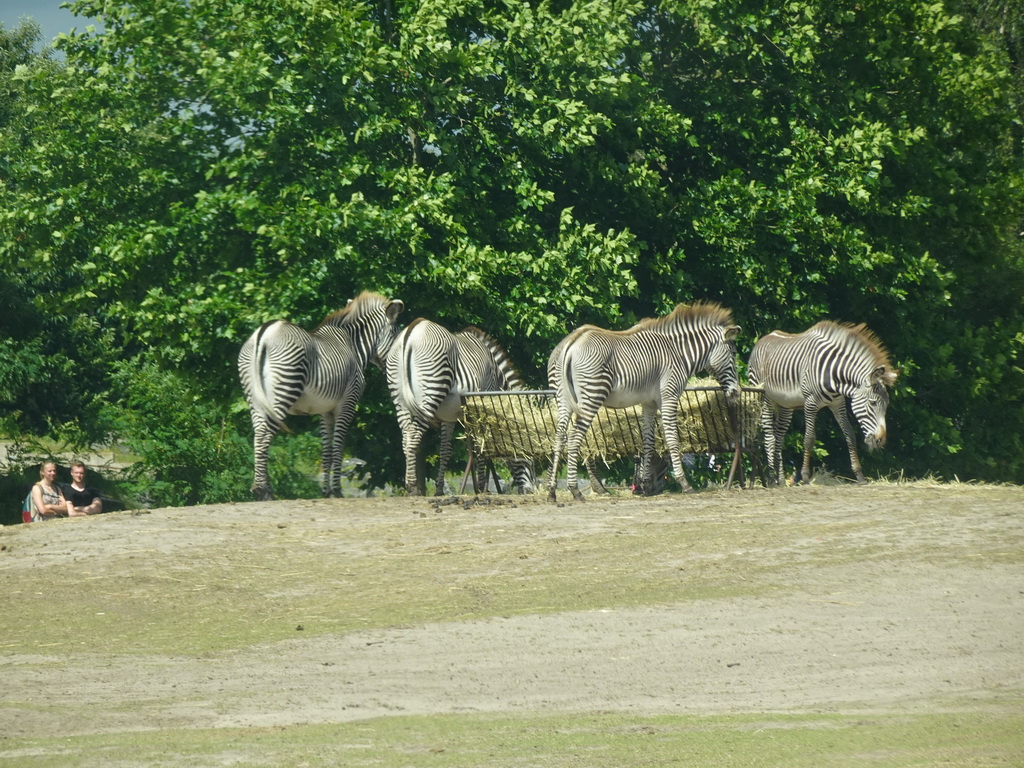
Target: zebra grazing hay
(522, 424)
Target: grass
(560, 741)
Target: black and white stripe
(825, 365)
(429, 370)
(648, 365)
(286, 370)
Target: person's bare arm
(49, 510)
(94, 508)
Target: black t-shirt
(80, 498)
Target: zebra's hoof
(576, 495)
(262, 494)
(551, 495)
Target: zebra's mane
(508, 369)
(866, 337)
(703, 312)
(362, 304)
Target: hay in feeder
(522, 424)
(510, 425)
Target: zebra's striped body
(285, 370)
(823, 366)
(429, 370)
(647, 365)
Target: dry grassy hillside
(285, 633)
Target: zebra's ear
(394, 309)
(732, 332)
(887, 377)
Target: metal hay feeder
(521, 425)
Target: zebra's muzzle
(876, 439)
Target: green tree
(46, 344)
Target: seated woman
(48, 500)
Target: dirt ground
(884, 598)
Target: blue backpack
(28, 510)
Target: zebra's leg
(810, 416)
(522, 475)
(638, 473)
(838, 409)
(263, 433)
(775, 423)
(577, 432)
(558, 447)
(595, 479)
(768, 422)
(644, 484)
(342, 418)
(444, 454)
(670, 426)
(412, 436)
(474, 466)
(784, 417)
(328, 422)
(481, 475)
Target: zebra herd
(285, 369)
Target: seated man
(84, 499)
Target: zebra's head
(708, 338)
(869, 403)
(722, 360)
(371, 321)
(387, 331)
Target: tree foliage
(199, 168)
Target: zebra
(554, 382)
(648, 365)
(661, 466)
(429, 368)
(284, 369)
(824, 365)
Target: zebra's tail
(261, 378)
